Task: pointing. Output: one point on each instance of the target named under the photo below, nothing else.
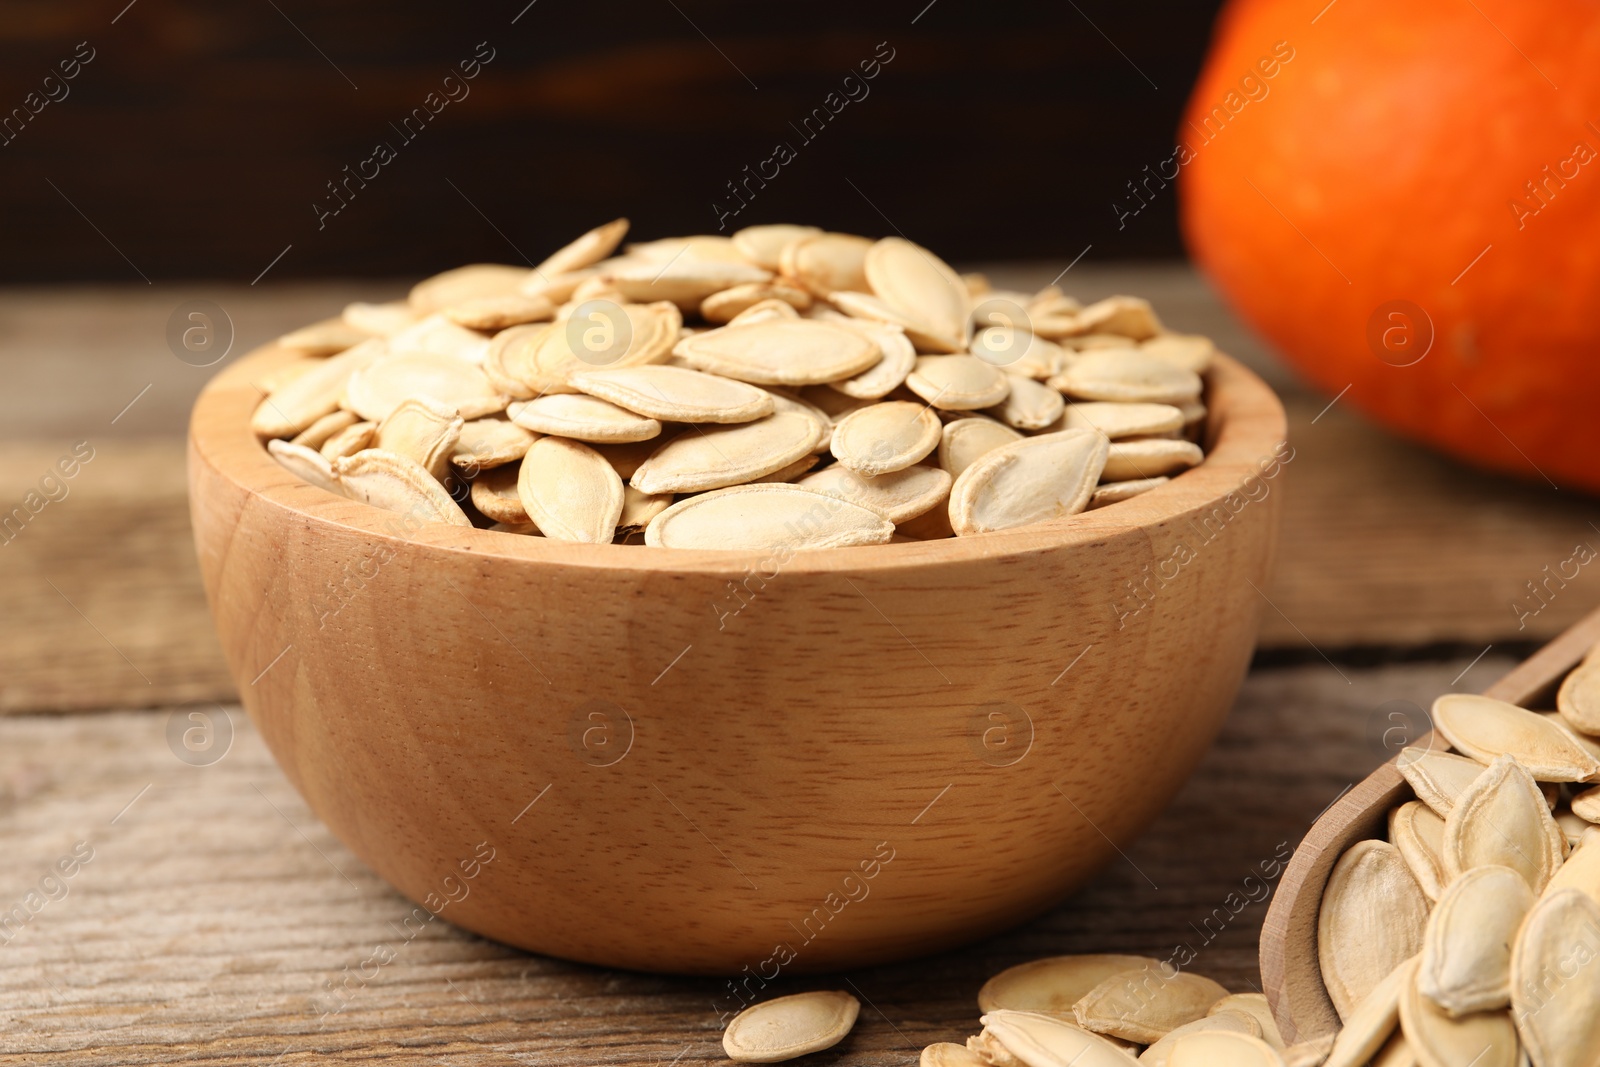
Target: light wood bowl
(1289, 968)
(820, 772)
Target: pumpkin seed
(761, 311)
(1257, 1007)
(494, 493)
(570, 491)
(782, 401)
(491, 442)
(598, 334)
(899, 496)
(638, 508)
(899, 356)
(787, 1027)
(958, 383)
(1116, 492)
(793, 471)
(1127, 376)
(350, 440)
(1124, 316)
(766, 516)
(676, 394)
(948, 1054)
(1159, 1054)
(1485, 728)
(378, 387)
(1574, 827)
(1221, 1048)
(1580, 870)
(964, 440)
(422, 431)
(587, 250)
(324, 338)
(1146, 1003)
(764, 245)
(1502, 818)
(386, 480)
(1037, 1040)
(728, 304)
(582, 418)
(307, 463)
(1189, 351)
(1438, 778)
(781, 352)
(864, 309)
(920, 286)
(1466, 946)
(827, 262)
(1032, 480)
(726, 455)
(303, 400)
(499, 312)
(987, 1048)
(1016, 351)
(1418, 832)
(1129, 460)
(1053, 984)
(1373, 1020)
(1371, 920)
(1030, 406)
(1395, 1053)
(465, 283)
(1555, 981)
(439, 336)
(885, 437)
(379, 320)
(684, 281)
(1483, 1039)
(1578, 700)
(317, 434)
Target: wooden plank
(1383, 543)
(216, 911)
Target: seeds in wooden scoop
(781, 352)
(1127, 376)
(491, 442)
(770, 515)
(899, 496)
(1152, 458)
(1036, 1040)
(1418, 832)
(1579, 699)
(375, 390)
(1371, 920)
(721, 456)
(1485, 728)
(303, 400)
(310, 465)
(1122, 420)
(587, 250)
(1502, 818)
(1438, 778)
(494, 493)
(1222, 1048)
(964, 440)
(676, 394)
(781, 1029)
(1555, 981)
(393, 482)
(1159, 1054)
(1031, 480)
(958, 383)
(570, 491)
(1146, 1003)
(949, 1054)
(1483, 1039)
(594, 345)
(1466, 947)
(582, 418)
(1055, 983)
(1031, 406)
(1373, 1020)
(885, 437)
(920, 286)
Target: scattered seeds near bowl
(703, 355)
(787, 1027)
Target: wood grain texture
(765, 749)
(1289, 965)
(217, 906)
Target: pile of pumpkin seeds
(1472, 934)
(780, 387)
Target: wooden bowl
(698, 761)
(1289, 968)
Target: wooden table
(217, 914)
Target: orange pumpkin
(1404, 198)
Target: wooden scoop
(1289, 967)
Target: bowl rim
(1245, 428)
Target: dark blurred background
(196, 141)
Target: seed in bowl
(867, 390)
